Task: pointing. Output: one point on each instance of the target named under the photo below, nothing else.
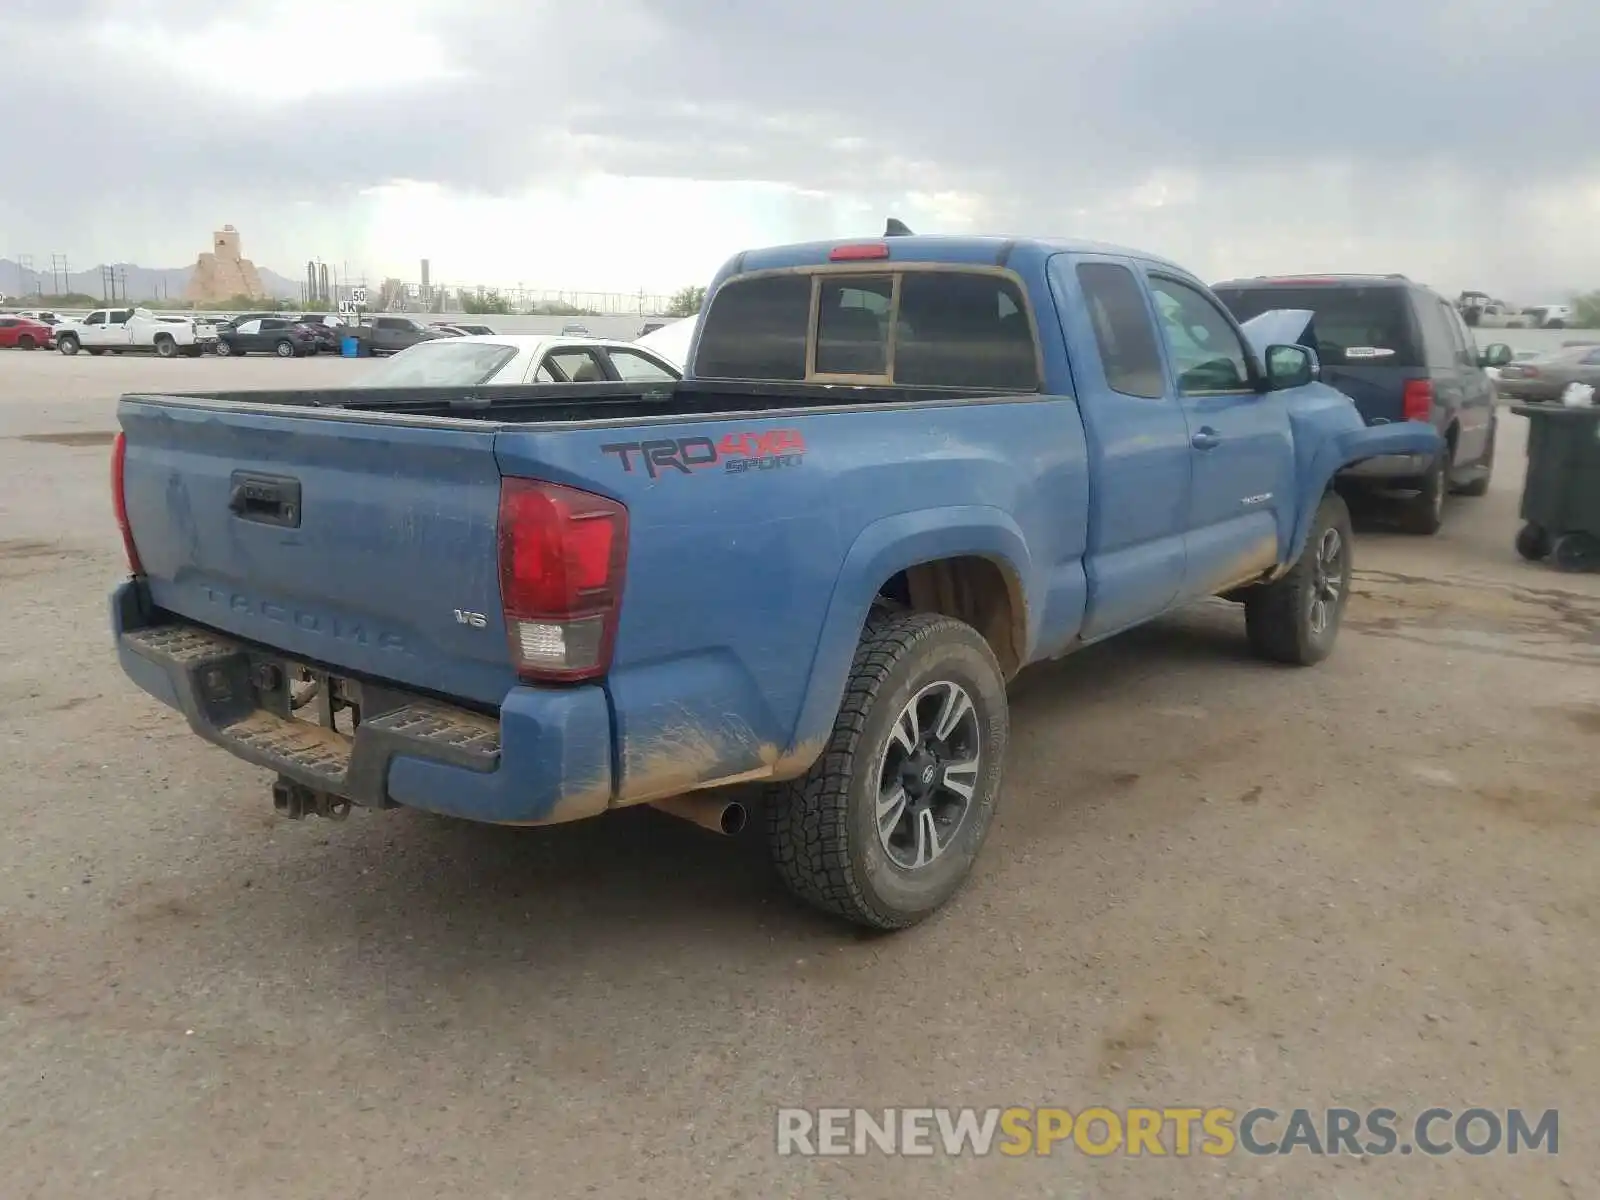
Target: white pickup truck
(131, 331)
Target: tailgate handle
(265, 499)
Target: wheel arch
(970, 558)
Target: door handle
(1207, 439)
(265, 499)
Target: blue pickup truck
(897, 472)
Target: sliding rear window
(1355, 326)
(954, 329)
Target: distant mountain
(143, 283)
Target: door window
(1207, 354)
(1122, 330)
(636, 368)
(1459, 339)
(248, 328)
(95, 318)
(577, 365)
(119, 316)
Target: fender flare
(1343, 449)
(881, 550)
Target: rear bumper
(546, 759)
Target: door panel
(1477, 392)
(1138, 443)
(1242, 495)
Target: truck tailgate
(367, 544)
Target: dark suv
(1401, 352)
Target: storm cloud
(1447, 137)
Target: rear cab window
(1355, 325)
(910, 325)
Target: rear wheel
(166, 347)
(886, 825)
(1423, 513)
(1296, 619)
(284, 349)
(1576, 552)
(26, 342)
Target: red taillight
(562, 559)
(1527, 372)
(1417, 404)
(119, 500)
(861, 252)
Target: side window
(636, 368)
(1207, 355)
(853, 325)
(248, 327)
(8, 323)
(119, 316)
(273, 323)
(1438, 344)
(544, 374)
(577, 365)
(1122, 330)
(385, 323)
(95, 318)
(1459, 338)
(964, 329)
(756, 329)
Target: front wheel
(67, 344)
(1296, 619)
(1576, 552)
(224, 349)
(886, 825)
(1533, 542)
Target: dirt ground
(1211, 882)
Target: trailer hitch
(296, 801)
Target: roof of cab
(939, 248)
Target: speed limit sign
(358, 295)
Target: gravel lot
(1211, 882)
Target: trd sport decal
(769, 450)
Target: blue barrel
(349, 347)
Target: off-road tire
(822, 828)
(1423, 514)
(1277, 615)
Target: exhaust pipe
(726, 817)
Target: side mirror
(1291, 367)
(1496, 355)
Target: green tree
(1586, 308)
(686, 302)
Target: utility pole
(60, 275)
(123, 272)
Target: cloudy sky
(626, 144)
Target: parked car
(326, 336)
(472, 330)
(1517, 356)
(1545, 377)
(41, 314)
(391, 334)
(1402, 353)
(129, 331)
(498, 359)
(671, 341)
(836, 553)
(1549, 316)
(25, 333)
(575, 327)
(266, 335)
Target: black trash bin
(1561, 494)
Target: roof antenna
(896, 228)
